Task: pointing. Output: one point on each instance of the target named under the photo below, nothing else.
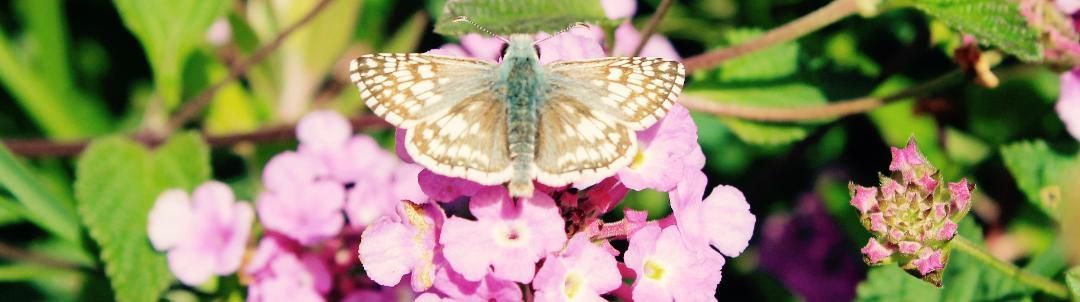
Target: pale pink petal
(960, 193)
(728, 223)
(169, 220)
(929, 262)
(877, 222)
(445, 189)
(190, 266)
(627, 39)
(232, 253)
(467, 246)
(618, 9)
(865, 199)
(909, 247)
(947, 231)
(875, 252)
(386, 251)
(323, 130)
(482, 47)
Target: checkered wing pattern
(406, 88)
(587, 126)
(635, 90)
(455, 123)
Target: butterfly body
(523, 78)
(519, 120)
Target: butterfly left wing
(455, 122)
(405, 88)
(588, 123)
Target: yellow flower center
(654, 270)
(639, 159)
(572, 285)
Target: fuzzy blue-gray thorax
(523, 79)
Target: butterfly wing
(405, 88)
(587, 126)
(455, 121)
(637, 91)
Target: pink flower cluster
(346, 220)
(912, 215)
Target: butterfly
(519, 120)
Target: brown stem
(40, 147)
(816, 112)
(834, 11)
(19, 255)
(650, 28)
(195, 105)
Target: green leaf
(47, 210)
(505, 17)
(1040, 173)
(119, 178)
(169, 30)
(995, 22)
(1072, 278)
(772, 63)
(785, 95)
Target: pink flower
(1068, 7)
(947, 231)
(581, 273)
(960, 193)
(929, 262)
(627, 39)
(669, 268)
(909, 247)
(306, 210)
(865, 199)
(875, 252)
(666, 152)
(325, 137)
(576, 44)
(508, 237)
(403, 244)
(290, 279)
(473, 46)
(618, 9)
(445, 189)
(906, 160)
(457, 288)
(722, 220)
(426, 297)
(204, 237)
(877, 223)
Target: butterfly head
(521, 47)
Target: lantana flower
(912, 216)
(204, 234)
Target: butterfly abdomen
(523, 95)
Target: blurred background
(74, 70)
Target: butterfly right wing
(455, 122)
(405, 88)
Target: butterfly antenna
(568, 28)
(481, 28)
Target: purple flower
(507, 238)
(669, 267)
(581, 273)
(403, 244)
(666, 152)
(204, 236)
(808, 251)
(722, 220)
(306, 209)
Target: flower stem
(650, 28)
(834, 11)
(814, 112)
(1039, 282)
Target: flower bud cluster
(912, 215)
